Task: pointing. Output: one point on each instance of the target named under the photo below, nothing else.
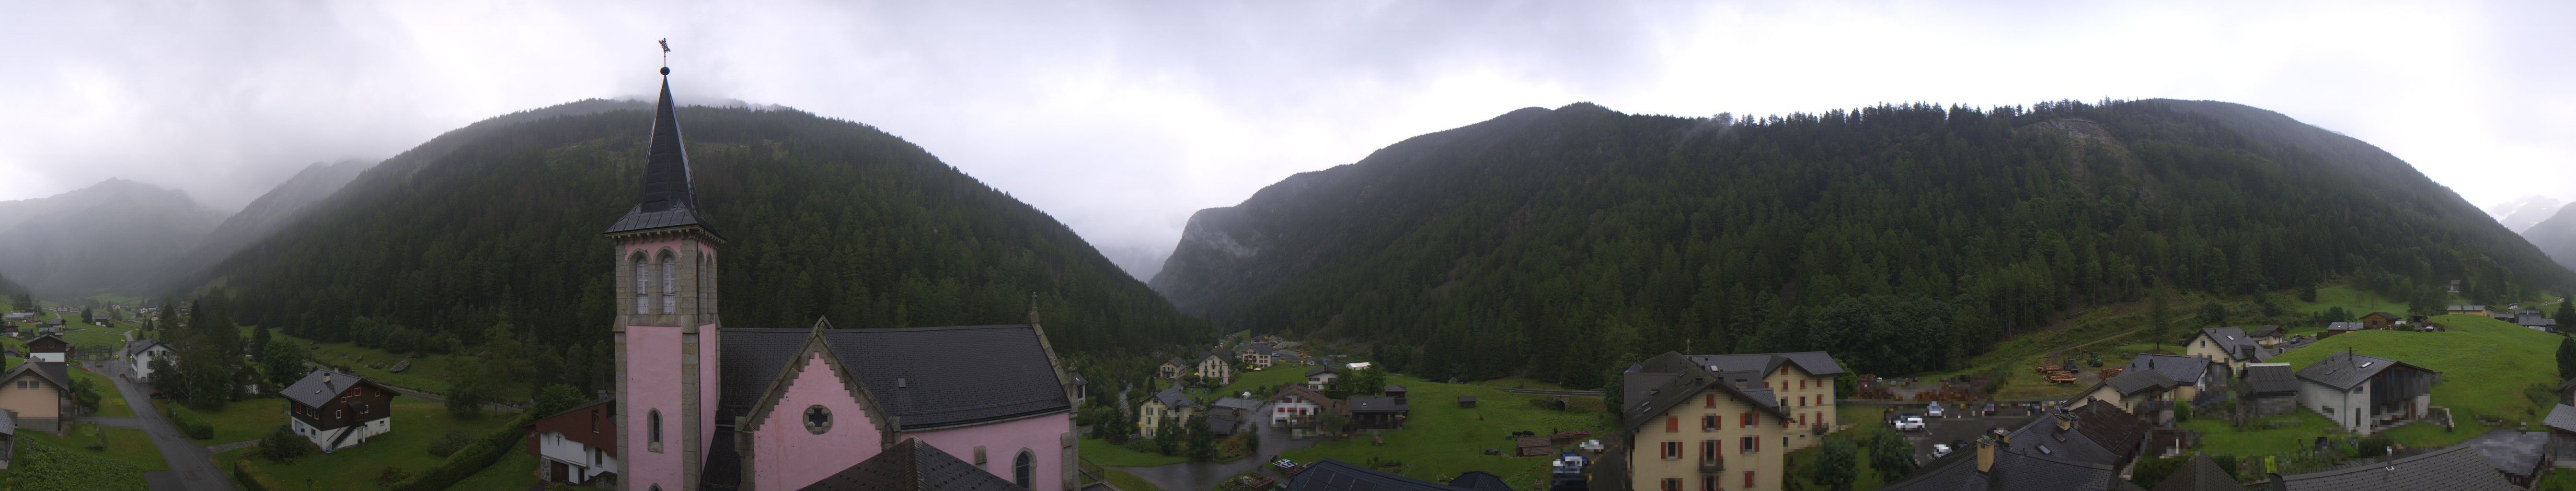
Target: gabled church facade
(705, 407)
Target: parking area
(1957, 425)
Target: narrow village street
(191, 465)
(1205, 475)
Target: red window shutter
(1802, 419)
(1672, 424)
(1748, 479)
(1710, 402)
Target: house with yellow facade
(1711, 422)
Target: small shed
(1467, 401)
(1397, 392)
(1533, 447)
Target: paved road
(192, 468)
(1205, 475)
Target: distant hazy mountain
(2521, 213)
(2556, 236)
(115, 235)
(284, 204)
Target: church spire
(668, 199)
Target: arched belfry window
(670, 284)
(653, 426)
(1024, 469)
(643, 279)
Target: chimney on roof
(1985, 454)
(2065, 422)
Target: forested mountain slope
(281, 205)
(112, 236)
(500, 221)
(1549, 242)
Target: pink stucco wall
(786, 456)
(652, 381)
(1003, 441)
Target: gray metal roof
(2267, 379)
(1335, 475)
(137, 346)
(314, 392)
(1684, 376)
(1237, 403)
(928, 376)
(1172, 398)
(2561, 418)
(1814, 362)
(2454, 468)
(2179, 368)
(2346, 370)
(2231, 340)
(2343, 326)
(2200, 474)
(2132, 383)
(1376, 404)
(914, 466)
(667, 199)
(50, 371)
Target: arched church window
(653, 426)
(818, 419)
(1024, 469)
(643, 278)
(670, 287)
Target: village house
(1380, 412)
(1170, 405)
(1215, 368)
(2334, 328)
(2078, 449)
(2233, 347)
(1296, 406)
(2365, 394)
(37, 396)
(139, 355)
(2380, 320)
(1322, 377)
(2465, 310)
(1687, 415)
(2269, 335)
(49, 348)
(2152, 383)
(2519, 456)
(338, 410)
(1173, 369)
(101, 318)
(2562, 433)
(577, 445)
(704, 407)
(1256, 355)
(1229, 415)
(2533, 319)
(2269, 389)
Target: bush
(473, 458)
(43, 466)
(2152, 471)
(284, 446)
(188, 422)
(252, 479)
(451, 442)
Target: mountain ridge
(105, 237)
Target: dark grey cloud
(1121, 118)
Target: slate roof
(2271, 379)
(2132, 383)
(667, 200)
(312, 391)
(1375, 404)
(1177, 362)
(1479, 481)
(2345, 370)
(722, 469)
(1328, 404)
(1814, 362)
(137, 346)
(1685, 376)
(2013, 471)
(2179, 368)
(1335, 475)
(1320, 370)
(2456, 308)
(913, 466)
(2454, 468)
(2343, 326)
(930, 377)
(2267, 331)
(1237, 403)
(2513, 452)
(51, 371)
(2561, 418)
(1172, 398)
(2200, 474)
(2231, 340)
(2533, 320)
(32, 341)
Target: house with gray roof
(1169, 406)
(38, 395)
(2364, 394)
(337, 410)
(2199, 474)
(2079, 449)
(2228, 345)
(2519, 456)
(2562, 433)
(2269, 389)
(2453, 468)
(916, 466)
(140, 355)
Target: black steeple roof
(667, 200)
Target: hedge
(472, 459)
(252, 479)
(188, 422)
(43, 466)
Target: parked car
(1940, 450)
(1909, 423)
(1933, 409)
(1990, 409)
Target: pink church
(705, 407)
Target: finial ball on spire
(666, 70)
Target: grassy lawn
(246, 419)
(1520, 383)
(1110, 454)
(515, 471)
(111, 404)
(2485, 363)
(1261, 384)
(2352, 300)
(1128, 482)
(2558, 480)
(416, 424)
(1442, 440)
(428, 372)
(2267, 436)
(129, 445)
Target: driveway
(191, 467)
(1199, 476)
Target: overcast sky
(1121, 119)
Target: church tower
(665, 335)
